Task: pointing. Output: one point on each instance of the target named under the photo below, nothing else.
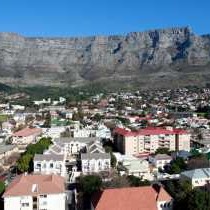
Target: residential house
(160, 160)
(95, 162)
(137, 167)
(26, 136)
(32, 192)
(197, 177)
(49, 164)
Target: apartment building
(150, 139)
(49, 164)
(35, 192)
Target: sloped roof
(27, 132)
(163, 195)
(197, 173)
(132, 198)
(46, 184)
(48, 157)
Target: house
(197, 177)
(150, 139)
(35, 192)
(26, 136)
(73, 146)
(160, 160)
(135, 198)
(95, 147)
(95, 162)
(6, 151)
(49, 164)
(137, 167)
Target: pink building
(150, 139)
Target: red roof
(27, 132)
(46, 184)
(148, 131)
(135, 198)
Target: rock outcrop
(156, 58)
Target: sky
(101, 17)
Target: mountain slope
(157, 58)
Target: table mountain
(152, 59)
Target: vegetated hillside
(161, 58)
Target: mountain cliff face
(156, 58)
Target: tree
(162, 150)
(200, 161)
(90, 184)
(136, 181)
(2, 187)
(117, 182)
(47, 123)
(23, 163)
(113, 160)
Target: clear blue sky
(91, 17)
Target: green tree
(2, 187)
(90, 184)
(162, 150)
(136, 181)
(113, 160)
(47, 123)
(23, 163)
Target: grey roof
(85, 156)
(79, 139)
(55, 148)
(201, 173)
(48, 157)
(6, 148)
(162, 157)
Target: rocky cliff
(156, 58)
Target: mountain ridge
(154, 58)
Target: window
(51, 165)
(25, 204)
(43, 196)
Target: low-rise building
(95, 162)
(50, 164)
(197, 177)
(160, 160)
(32, 192)
(137, 167)
(26, 136)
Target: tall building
(35, 192)
(150, 139)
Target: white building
(73, 146)
(30, 192)
(26, 136)
(95, 162)
(50, 164)
(160, 160)
(197, 177)
(137, 167)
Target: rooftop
(149, 131)
(135, 198)
(45, 184)
(27, 132)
